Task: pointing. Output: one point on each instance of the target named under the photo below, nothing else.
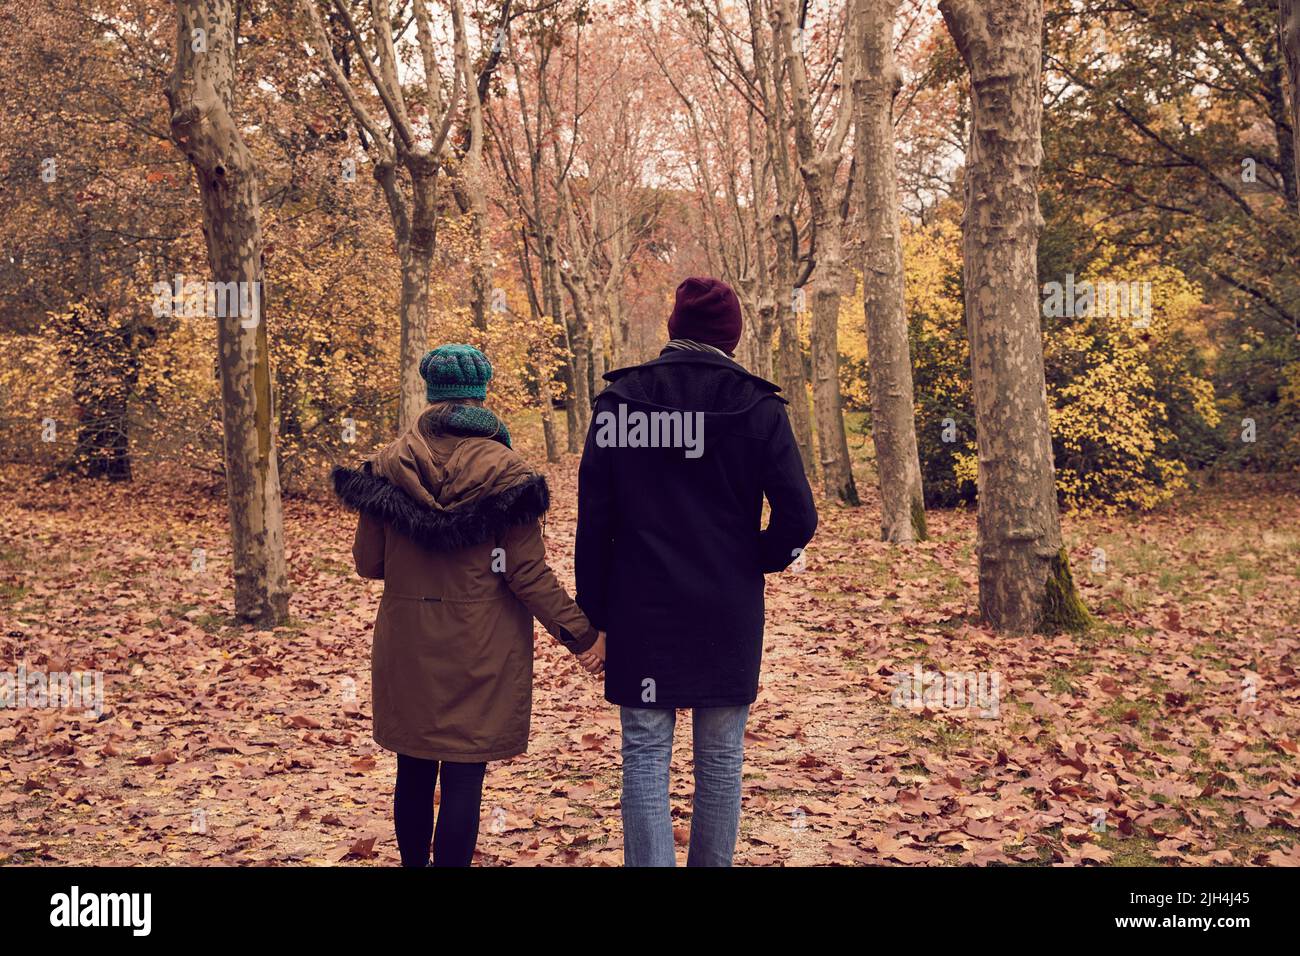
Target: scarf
(690, 345)
(458, 419)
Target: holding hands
(593, 658)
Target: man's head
(706, 311)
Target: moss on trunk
(918, 520)
(1062, 608)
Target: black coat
(671, 551)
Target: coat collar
(685, 357)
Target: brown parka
(452, 525)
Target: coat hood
(444, 491)
(691, 381)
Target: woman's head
(455, 373)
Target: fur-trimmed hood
(445, 529)
(445, 491)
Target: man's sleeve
(794, 515)
(594, 548)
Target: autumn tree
(819, 161)
(408, 155)
(471, 185)
(596, 187)
(1024, 575)
(893, 419)
(531, 169)
(201, 94)
(1290, 32)
(790, 263)
(724, 147)
(1197, 163)
(81, 139)
(613, 202)
(756, 217)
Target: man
(670, 560)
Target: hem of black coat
(639, 704)
(451, 756)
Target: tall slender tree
(1024, 574)
(791, 268)
(731, 176)
(893, 419)
(537, 155)
(748, 58)
(818, 164)
(1289, 25)
(201, 94)
(413, 200)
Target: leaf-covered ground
(1168, 734)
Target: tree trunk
(791, 375)
(832, 440)
(1290, 31)
(473, 178)
(783, 232)
(755, 349)
(765, 322)
(413, 317)
(200, 92)
(415, 228)
(1024, 576)
(105, 364)
(575, 431)
(580, 394)
(580, 347)
(763, 296)
(549, 431)
(893, 418)
(480, 256)
(617, 331)
(818, 167)
(600, 348)
(538, 304)
(102, 449)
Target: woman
(450, 520)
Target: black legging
(458, 813)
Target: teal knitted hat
(455, 371)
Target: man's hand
(593, 658)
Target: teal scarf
(459, 419)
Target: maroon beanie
(706, 311)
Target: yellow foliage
(1114, 386)
(852, 336)
(1111, 381)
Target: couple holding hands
(669, 558)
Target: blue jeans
(719, 734)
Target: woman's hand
(593, 658)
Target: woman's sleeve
(534, 583)
(368, 547)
